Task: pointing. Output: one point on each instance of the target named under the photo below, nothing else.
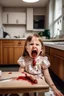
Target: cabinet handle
(19, 43)
(17, 21)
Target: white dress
(26, 62)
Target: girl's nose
(34, 45)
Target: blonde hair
(29, 38)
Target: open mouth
(34, 53)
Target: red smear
(34, 62)
(21, 78)
(34, 55)
(27, 79)
(10, 73)
(31, 79)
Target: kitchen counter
(45, 40)
(12, 38)
(53, 40)
(59, 44)
(60, 47)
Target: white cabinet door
(5, 18)
(14, 18)
(17, 18)
(29, 19)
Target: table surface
(21, 86)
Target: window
(55, 17)
(58, 9)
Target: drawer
(57, 52)
(19, 43)
(7, 43)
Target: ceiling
(20, 3)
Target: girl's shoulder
(45, 60)
(43, 57)
(21, 58)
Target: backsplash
(17, 31)
(1, 32)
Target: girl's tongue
(34, 53)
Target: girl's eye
(37, 44)
(31, 44)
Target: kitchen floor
(59, 84)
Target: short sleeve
(21, 61)
(45, 62)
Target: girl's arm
(50, 82)
(21, 69)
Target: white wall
(15, 30)
(1, 30)
(0, 16)
(47, 17)
(39, 11)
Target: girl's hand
(21, 69)
(57, 93)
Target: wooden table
(21, 86)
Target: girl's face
(34, 47)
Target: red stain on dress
(34, 62)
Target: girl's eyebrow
(31, 43)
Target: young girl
(34, 61)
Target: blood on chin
(34, 55)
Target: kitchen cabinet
(47, 52)
(29, 19)
(14, 18)
(17, 18)
(5, 18)
(10, 51)
(7, 52)
(18, 49)
(0, 53)
(56, 58)
(57, 62)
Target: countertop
(53, 40)
(45, 40)
(57, 46)
(12, 38)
